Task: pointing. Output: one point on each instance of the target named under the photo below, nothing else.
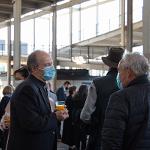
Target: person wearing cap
(99, 92)
(127, 118)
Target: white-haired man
(127, 122)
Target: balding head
(36, 58)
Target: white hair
(136, 62)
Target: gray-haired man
(127, 119)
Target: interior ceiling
(6, 7)
(97, 46)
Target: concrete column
(34, 34)
(9, 53)
(129, 25)
(49, 34)
(70, 31)
(80, 23)
(97, 18)
(17, 43)
(146, 28)
(54, 42)
(122, 20)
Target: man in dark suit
(63, 91)
(33, 125)
(98, 96)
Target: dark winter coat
(3, 103)
(33, 125)
(125, 116)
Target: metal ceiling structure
(98, 45)
(6, 7)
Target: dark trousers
(3, 138)
(58, 129)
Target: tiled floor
(62, 146)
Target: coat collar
(37, 80)
(42, 89)
(112, 71)
(139, 80)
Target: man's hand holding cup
(61, 111)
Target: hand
(62, 114)
(5, 121)
(65, 113)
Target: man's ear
(131, 74)
(34, 69)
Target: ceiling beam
(96, 66)
(6, 2)
(43, 1)
(6, 10)
(29, 4)
(4, 16)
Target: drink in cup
(60, 105)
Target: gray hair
(136, 62)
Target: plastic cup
(60, 105)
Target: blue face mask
(119, 83)
(49, 73)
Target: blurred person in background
(19, 75)
(79, 133)
(62, 92)
(52, 96)
(93, 112)
(67, 136)
(7, 93)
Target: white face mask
(17, 82)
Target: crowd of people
(112, 113)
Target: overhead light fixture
(79, 60)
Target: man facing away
(98, 96)
(33, 125)
(127, 119)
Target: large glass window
(137, 10)
(108, 16)
(27, 34)
(88, 20)
(63, 23)
(42, 33)
(76, 24)
(3, 41)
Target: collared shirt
(89, 106)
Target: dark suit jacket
(61, 96)
(33, 125)
(3, 103)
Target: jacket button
(53, 132)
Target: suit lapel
(45, 98)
